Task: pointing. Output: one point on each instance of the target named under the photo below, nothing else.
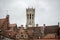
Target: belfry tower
(30, 16)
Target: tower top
(30, 15)
(30, 9)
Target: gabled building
(12, 32)
(4, 23)
(13, 27)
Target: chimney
(7, 21)
(36, 25)
(43, 25)
(22, 26)
(58, 23)
(26, 26)
(7, 16)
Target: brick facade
(44, 32)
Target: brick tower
(30, 16)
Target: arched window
(30, 16)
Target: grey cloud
(47, 11)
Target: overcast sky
(46, 11)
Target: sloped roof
(51, 29)
(9, 33)
(12, 25)
(50, 36)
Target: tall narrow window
(30, 16)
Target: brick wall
(38, 39)
(46, 39)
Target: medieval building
(30, 15)
(31, 32)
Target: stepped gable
(3, 24)
(2, 21)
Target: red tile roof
(12, 25)
(2, 22)
(50, 36)
(9, 33)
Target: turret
(30, 17)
